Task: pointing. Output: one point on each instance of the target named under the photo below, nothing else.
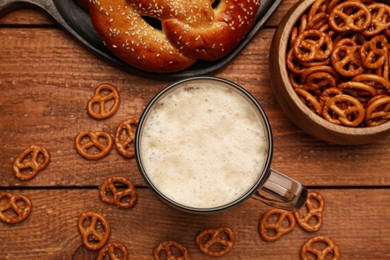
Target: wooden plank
(26, 16)
(47, 78)
(357, 219)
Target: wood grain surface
(360, 229)
(46, 79)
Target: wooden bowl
(295, 109)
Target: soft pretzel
(190, 30)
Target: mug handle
(282, 192)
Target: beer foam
(203, 145)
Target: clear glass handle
(282, 192)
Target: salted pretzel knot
(104, 93)
(327, 94)
(31, 161)
(173, 251)
(313, 45)
(311, 219)
(374, 52)
(330, 251)
(102, 141)
(346, 60)
(275, 223)
(190, 30)
(310, 100)
(113, 251)
(18, 204)
(125, 136)
(215, 241)
(94, 230)
(380, 14)
(346, 109)
(121, 197)
(373, 80)
(350, 16)
(378, 110)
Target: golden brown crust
(93, 145)
(133, 40)
(19, 205)
(311, 218)
(191, 30)
(122, 197)
(329, 251)
(113, 250)
(275, 223)
(172, 250)
(125, 137)
(93, 238)
(34, 159)
(230, 23)
(215, 241)
(97, 106)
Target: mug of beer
(204, 144)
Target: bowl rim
(282, 46)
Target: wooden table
(46, 78)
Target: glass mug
(204, 144)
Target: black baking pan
(76, 21)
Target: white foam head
(203, 145)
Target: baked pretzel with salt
(30, 162)
(94, 230)
(275, 223)
(14, 208)
(310, 217)
(190, 30)
(172, 250)
(113, 250)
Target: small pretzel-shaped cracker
(378, 111)
(121, 197)
(346, 60)
(360, 88)
(318, 21)
(373, 80)
(101, 98)
(354, 39)
(35, 158)
(328, 69)
(350, 16)
(309, 100)
(328, 93)
(125, 136)
(215, 241)
(314, 207)
(293, 63)
(114, 251)
(101, 141)
(318, 7)
(380, 19)
(347, 109)
(173, 251)
(94, 229)
(320, 80)
(374, 52)
(19, 205)
(271, 229)
(332, 4)
(313, 45)
(330, 251)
